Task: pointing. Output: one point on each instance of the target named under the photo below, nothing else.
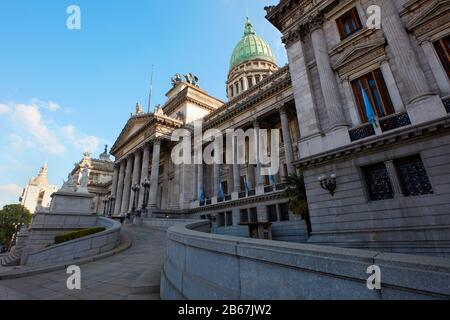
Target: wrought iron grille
(378, 182)
(394, 122)
(447, 104)
(268, 189)
(413, 176)
(362, 132)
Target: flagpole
(151, 89)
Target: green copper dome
(251, 47)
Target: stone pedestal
(71, 202)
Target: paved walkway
(113, 278)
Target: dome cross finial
(249, 28)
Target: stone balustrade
(85, 247)
(200, 265)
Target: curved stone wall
(200, 265)
(79, 248)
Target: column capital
(157, 140)
(315, 21)
(256, 123)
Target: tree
(12, 218)
(298, 202)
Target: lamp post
(135, 189)
(146, 186)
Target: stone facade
(37, 194)
(100, 179)
(393, 179)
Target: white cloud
(4, 108)
(81, 141)
(9, 194)
(50, 105)
(29, 118)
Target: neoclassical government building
(363, 113)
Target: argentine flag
(368, 106)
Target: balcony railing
(394, 121)
(362, 132)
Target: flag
(221, 195)
(201, 196)
(368, 106)
(247, 189)
(272, 177)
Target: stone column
(394, 178)
(328, 84)
(119, 193)
(392, 87)
(127, 186)
(436, 68)
(236, 174)
(144, 173)
(115, 180)
(287, 140)
(135, 178)
(423, 105)
(154, 174)
(350, 100)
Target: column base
(425, 108)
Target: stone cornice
(375, 143)
(241, 202)
(250, 102)
(193, 95)
(248, 93)
(154, 120)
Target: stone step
(10, 260)
(148, 283)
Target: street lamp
(146, 186)
(135, 189)
(328, 183)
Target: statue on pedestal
(84, 180)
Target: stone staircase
(10, 260)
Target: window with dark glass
(349, 23)
(244, 215)
(284, 211)
(221, 219)
(229, 218)
(377, 95)
(442, 47)
(272, 215)
(253, 215)
(378, 183)
(413, 176)
(225, 187)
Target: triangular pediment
(358, 51)
(133, 126)
(435, 9)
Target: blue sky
(63, 92)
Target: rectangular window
(225, 187)
(442, 47)
(284, 211)
(244, 215)
(221, 219)
(250, 82)
(229, 219)
(377, 95)
(253, 215)
(378, 182)
(349, 23)
(272, 215)
(413, 176)
(242, 183)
